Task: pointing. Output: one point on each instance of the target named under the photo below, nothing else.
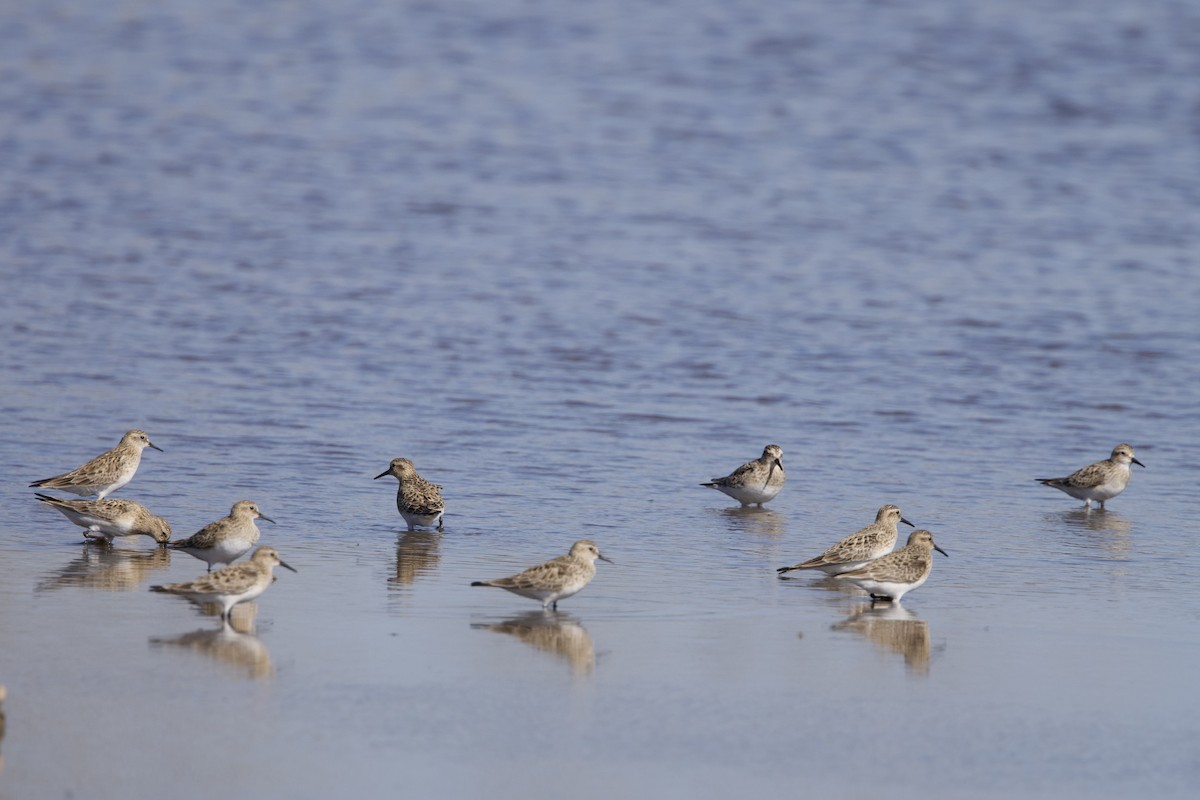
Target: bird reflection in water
(892, 628)
(3, 697)
(108, 567)
(752, 519)
(416, 554)
(1098, 527)
(233, 644)
(551, 632)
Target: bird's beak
(1140, 464)
(387, 471)
(268, 519)
(906, 522)
(940, 550)
(602, 558)
(285, 565)
(152, 444)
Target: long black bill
(286, 565)
(940, 550)
(906, 522)
(1140, 464)
(387, 471)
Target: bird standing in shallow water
(555, 580)
(231, 585)
(754, 482)
(105, 473)
(104, 519)
(1101, 481)
(227, 539)
(858, 548)
(418, 500)
(892, 576)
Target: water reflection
(819, 580)
(233, 644)
(892, 628)
(416, 554)
(1098, 528)
(751, 519)
(3, 697)
(107, 567)
(551, 632)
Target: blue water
(572, 260)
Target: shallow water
(573, 259)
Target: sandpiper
(555, 580)
(105, 473)
(230, 585)
(419, 501)
(892, 576)
(227, 539)
(754, 482)
(1101, 481)
(857, 549)
(104, 519)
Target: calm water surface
(573, 259)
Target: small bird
(892, 576)
(1101, 481)
(555, 580)
(857, 549)
(104, 519)
(105, 473)
(231, 585)
(227, 539)
(419, 501)
(754, 482)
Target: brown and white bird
(892, 576)
(418, 500)
(114, 516)
(105, 473)
(231, 585)
(556, 579)
(227, 539)
(858, 548)
(754, 482)
(1101, 481)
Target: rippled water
(573, 259)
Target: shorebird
(892, 576)
(418, 500)
(227, 539)
(104, 519)
(754, 482)
(231, 585)
(857, 549)
(555, 580)
(1101, 481)
(105, 473)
